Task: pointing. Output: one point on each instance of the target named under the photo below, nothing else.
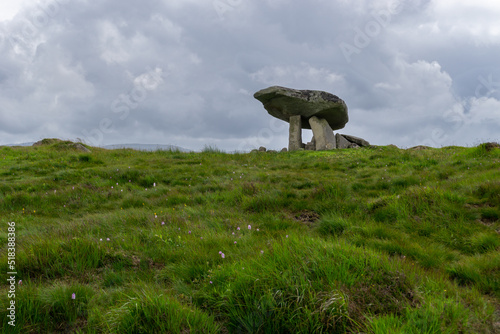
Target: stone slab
(282, 102)
(341, 141)
(360, 141)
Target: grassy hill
(372, 240)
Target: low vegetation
(371, 240)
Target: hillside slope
(374, 240)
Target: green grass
(371, 240)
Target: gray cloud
(184, 72)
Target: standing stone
(341, 141)
(284, 149)
(262, 149)
(323, 133)
(295, 133)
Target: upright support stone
(323, 134)
(295, 133)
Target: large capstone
(283, 103)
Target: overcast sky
(183, 72)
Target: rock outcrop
(491, 145)
(62, 144)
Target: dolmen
(319, 111)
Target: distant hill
(147, 147)
(21, 144)
(138, 147)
